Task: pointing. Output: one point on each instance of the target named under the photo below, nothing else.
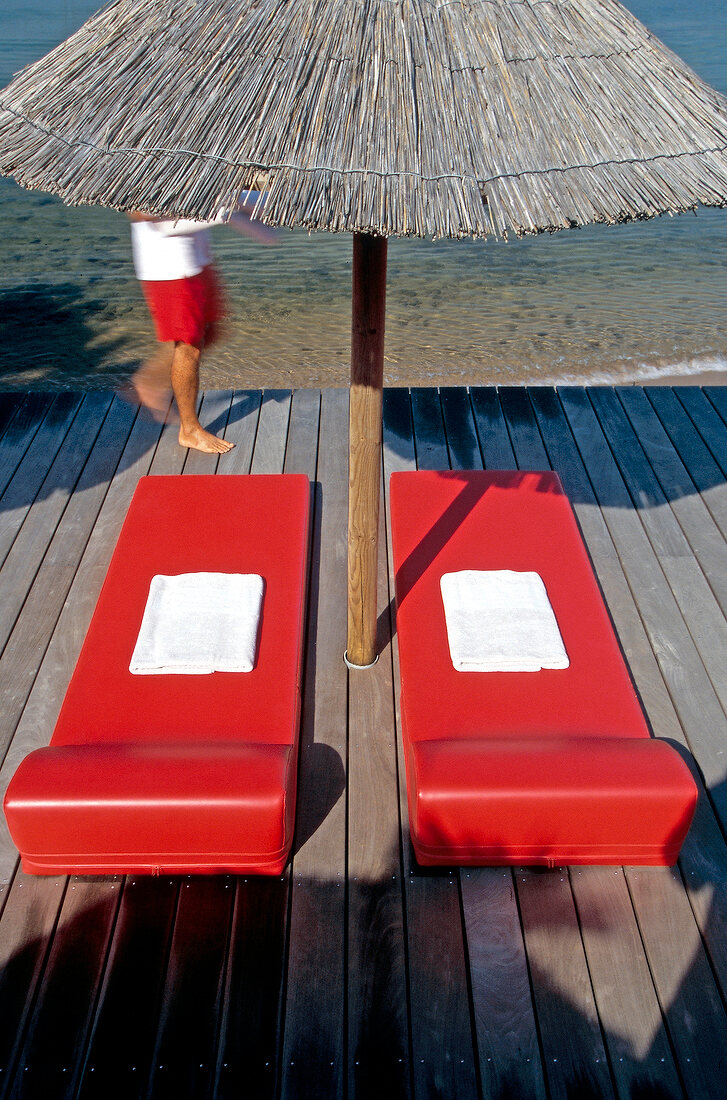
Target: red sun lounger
(178, 772)
(547, 767)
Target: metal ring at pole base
(358, 668)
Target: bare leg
(150, 386)
(185, 383)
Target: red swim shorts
(186, 310)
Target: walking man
(173, 262)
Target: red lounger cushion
(184, 773)
(158, 802)
(553, 767)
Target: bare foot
(200, 440)
(151, 388)
(156, 400)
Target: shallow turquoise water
(600, 304)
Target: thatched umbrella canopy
(378, 117)
(391, 117)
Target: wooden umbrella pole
(364, 471)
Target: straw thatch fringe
(410, 117)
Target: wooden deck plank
(574, 1054)
(168, 458)
(638, 1046)
(705, 528)
(504, 1013)
(378, 1032)
(691, 1003)
(9, 405)
(398, 437)
(250, 1031)
(301, 451)
(40, 573)
(315, 985)
(50, 1061)
(711, 427)
(184, 1062)
(494, 439)
(32, 471)
(429, 438)
(271, 439)
(695, 599)
(28, 920)
(398, 453)
(526, 440)
(20, 431)
(123, 1032)
(461, 435)
(718, 398)
(681, 418)
(444, 1060)
(241, 430)
(703, 862)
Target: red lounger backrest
(185, 525)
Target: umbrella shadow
(664, 1046)
(431, 545)
(196, 969)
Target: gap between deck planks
(356, 972)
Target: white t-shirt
(170, 249)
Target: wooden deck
(356, 973)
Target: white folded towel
(499, 620)
(197, 623)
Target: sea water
(601, 304)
